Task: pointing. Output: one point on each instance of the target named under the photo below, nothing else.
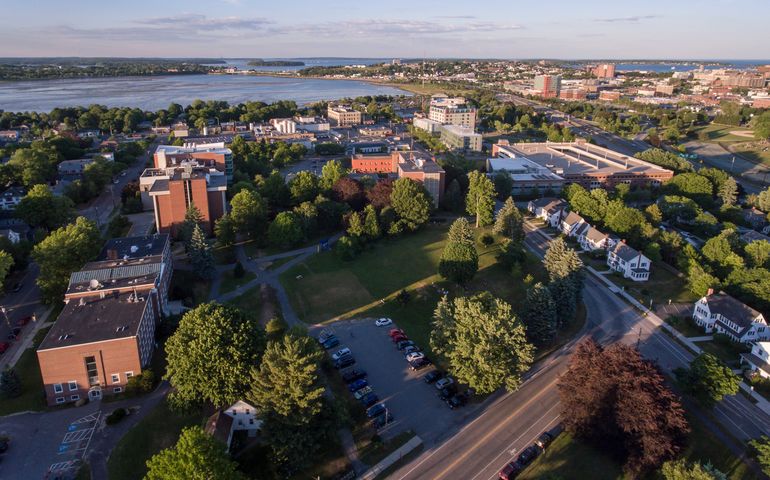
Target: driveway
(414, 404)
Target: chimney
(112, 254)
(709, 292)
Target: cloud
(631, 19)
(202, 22)
(386, 28)
(456, 17)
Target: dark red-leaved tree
(379, 194)
(349, 191)
(618, 401)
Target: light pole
(5, 314)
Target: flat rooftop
(96, 319)
(215, 147)
(133, 247)
(577, 158)
(418, 163)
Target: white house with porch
(239, 416)
(571, 223)
(592, 239)
(758, 359)
(548, 209)
(629, 261)
(722, 313)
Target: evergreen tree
(683, 470)
(355, 225)
(199, 252)
(371, 224)
(459, 262)
(411, 202)
(480, 200)
(10, 385)
(453, 197)
(192, 217)
(539, 315)
(565, 270)
(728, 191)
(509, 222)
(460, 232)
(761, 447)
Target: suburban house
(630, 262)
(757, 218)
(548, 209)
(592, 239)
(240, 416)
(569, 225)
(758, 359)
(721, 313)
(753, 236)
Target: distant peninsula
(275, 63)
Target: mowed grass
(32, 396)
(754, 153)
(158, 430)
(662, 286)
(722, 133)
(230, 283)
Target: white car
(444, 382)
(383, 322)
(414, 356)
(340, 353)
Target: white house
(630, 262)
(550, 210)
(721, 313)
(238, 416)
(592, 239)
(570, 224)
(758, 359)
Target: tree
(287, 381)
(371, 224)
(379, 194)
(304, 187)
(699, 281)
(460, 232)
(350, 191)
(10, 385)
(691, 185)
(653, 213)
(565, 271)
(6, 262)
(615, 398)
(192, 218)
(682, 470)
(41, 208)
(211, 353)
(274, 189)
(503, 184)
(331, 172)
(224, 230)
(484, 343)
(757, 253)
(453, 197)
(285, 230)
(761, 125)
(761, 447)
(509, 222)
(539, 315)
(196, 456)
(459, 262)
(411, 202)
(355, 226)
(199, 252)
(708, 379)
(728, 192)
(62, 252)
(480, 200)
(248, 212)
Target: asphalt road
(513, 421)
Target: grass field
(728, 352)
(662, 286)
(721, 133)
(158, 430)
(686, 326)
(230, 283)
(754, 153)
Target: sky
(564, 29)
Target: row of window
(72, 385)
(75, 398)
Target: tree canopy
(196, 456)
(248, 212)
(509, 222)
(708, 379)
(480, 200)
(411, 202)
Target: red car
(4, 346)
(24, 321)
(396, 331)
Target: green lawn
(375, 452)
(705, 448)
(728, 352)
(249, 302)
(568, 459)
(230, 283)
(662, 286)
(189, 288)
(31, 397)
(158, 430)
(721, 133)
(686, 326)
(754, 153)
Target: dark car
(376, 410)
(14, 333)
(544, 440)
(457, 401)
(353, 375)
(447, 392)
(4, 346)
(399, 338)
(432, 376)
(331, 342)
(369, 399)
(3, 445)
(383, 420)
(344, 362)
(357, 385)
(404, 343)
(24, 321)
(419, 364)
(511, 471)
(17, 287)
(528, 455)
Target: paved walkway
(705, 338)
(14, 352)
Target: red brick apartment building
(106, 332)
(173, 190)
(404, 165)
(214, 155)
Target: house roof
(756, 361)
(134, 247)
(573, 218)
(595, 235)
(582, 229)
(732, 308)
(625, 252)
(753, 236)
(548, 203)
(219, 426)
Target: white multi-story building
(571, 223)
(630, 262)
(343, 116)
(550, 210)
(722, 313)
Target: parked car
(414, 356)
(383, 322)
(444, 382)
(325, 335)
(17, 287)
(4, 443)
(376, 410)
(369, 399)
(396, 331)
(344, 362)
(404, 343)
(342, 352)
(510, 471)
(4, 346)
(363, 392)
(456, 401)
(383, 420)
(14, 333)
(331, 342)
(419, 364)
(353, 375)
(358, 385)
(411, 349)
(399, 338)
(24, 321)
(544, 440)
(447, 392)
(528, 455)
(432, 376)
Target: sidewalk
(16, 349)
(388, 461)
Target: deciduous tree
(248, 212)
(480, 200)
(224, 229)
(196, 456)
(41, 208)
(331, 172)
(285, 230)
(683, 470)
(379, 194)
(411, 202)
(761, 447)
(708, 379)
(304, 187)
(350, 191)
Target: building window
(59, 399)
(129, 374)
(117, 390)
(74, 398)
(73, 385)
(57, 388)
(115, 378)
(91, 370)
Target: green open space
(753, 152)
(28, 371)
(722, 133)
(686, 326)
(158, 430)
(726, 350)
(231, 283)
(375, 452)
(663, 285)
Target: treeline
(107, 69)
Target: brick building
(343, 116)
(606, 70)
(548, 86)
(173, 190)
(404, 165)
(213, 155)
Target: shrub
(239, 271)
(403, 297)
(142, 383)
(275, 327)
(116, 416)
(487, 240)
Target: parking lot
(413, 403)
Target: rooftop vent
(121, 328)
(64, 337)
(134, 249)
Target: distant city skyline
(592, 29)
